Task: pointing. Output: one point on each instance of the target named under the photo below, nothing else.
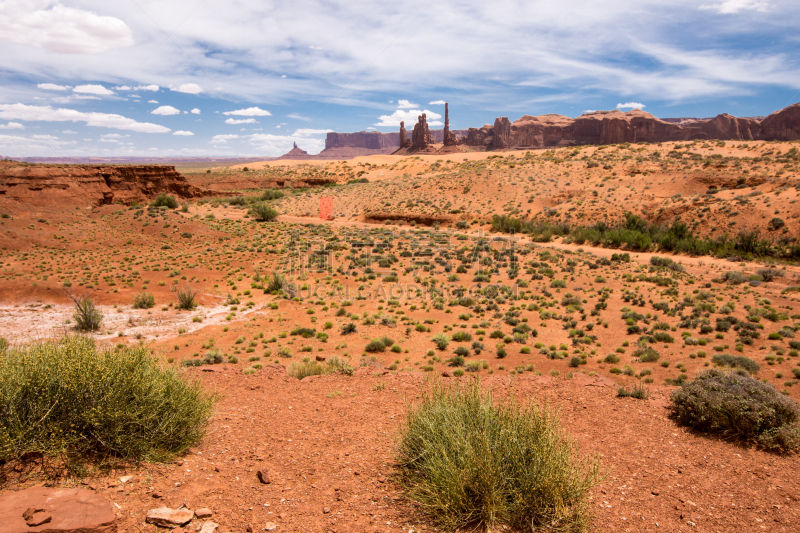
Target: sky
(169, 78)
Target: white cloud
(240, 121)
(165, 110)
(146, 88)
(305, 132)
(410, 118)
(249, 112)
(53, 87)
(298, 116)
(69, 132)
(92, 89)
(631, 105)
(405, 104)
(189, 88)
(61, 29)
(730, 7)
(62, 99)
(195, 111)
(437, 102)
(45, 137)
(113, 136)
(152, 101)
(85, 97)
(102, 120)
(223, 138)
(184, 133)
(11, 126)
(122, 88)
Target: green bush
(736, 361)
(470, 461)
(87, 316)
(375, 345)
(186, 297)
(646, 355)
(71, 399)
(302, 369)
(264, 212)
(441, 340)
(638, 392)
(738, 406)
(144, 300)
(164, 200)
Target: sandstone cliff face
(371, 140)
(502, 134)
(81, 185)
(783, 125)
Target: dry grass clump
(71, 399)
(738, 406)
(470, 461)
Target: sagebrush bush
(736, 361)
(87, 316)
(71, 399)
(470, 461)
(164, 200)
(264, 212)
(186, 297)
(738, 406)
(144, 300)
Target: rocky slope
(78, 185)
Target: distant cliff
(91, 185)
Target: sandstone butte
(75, 185)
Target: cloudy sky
(248, 77)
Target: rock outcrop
(448, 137)
(405, 142)
(502, 134)
(421, 137)
(296, 153)
(48, 510)
(783, 125)
(78, 185)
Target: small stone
(209, 527)
(125, 479)
(29, 512)
(157, 494)
(263, 477)
(38, 519)
(203, 513)
(381, 478)
(320, 358)
(166, 517)
(270, 526)
(326, 510)
(655, 492)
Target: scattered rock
(166, 517)
(203, 513)
(209, 527)
(263, 477)
(157, 494)
(125, 479)
(270, 526)
(326, 510)
(320, 358)
(38, 509)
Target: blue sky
(169, 78)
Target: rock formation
(77, 185)
(783, 125)
(295, 153)
(502, 134)
(421, 137)
(405, 142)
(448, 137)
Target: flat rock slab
(42, 509)
(166, 517)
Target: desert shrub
(736, 361)
(575, 362)
(468, 460)
(270, 194)
(501, 351)
(302, 369)
(186, 296)
(164, 200)
(71, 399)
(738, 406)
(348, 328)
(441, 340)
(87, 316)
(375, 345)
(213, 357)
(638, 392)
(769, 274)
(461, 336)
(144, 300)
(337, 365)
(611, 358)
(3, 344)
(662, 336)
(264, 212)
(666, 263)
(274, 282)
(646, 355)
(734, 277)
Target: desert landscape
(416, 267)
(501, 266)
